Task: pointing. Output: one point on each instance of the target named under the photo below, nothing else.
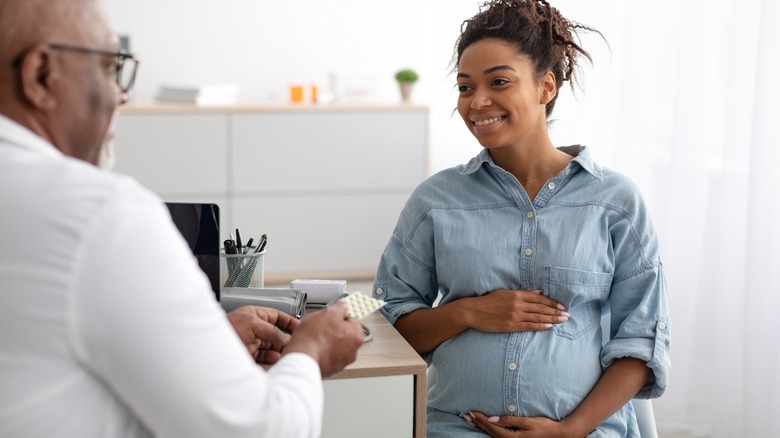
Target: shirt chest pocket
(582, 293)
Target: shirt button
(512, 408)
(551, 185)
(512, 366)
(661, 326)
(379, 291)
(529, 215)
(568, 171)
(528, 251)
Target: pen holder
(242, 270)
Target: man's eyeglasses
(125, 64)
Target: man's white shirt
(107, 325)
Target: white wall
(264, 45)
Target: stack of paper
(217, 94)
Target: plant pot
(406, 90)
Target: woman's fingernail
(566, 314)
(470, 423)
(562, 318)
(547, 325)
(560, 306)
(467, 416)
(493, 419)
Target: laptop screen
(199, 224)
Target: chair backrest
(645, 417)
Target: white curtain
(685, 101)
(688, 108)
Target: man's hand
(330, 337)
(264, 331)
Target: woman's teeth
(488, 121)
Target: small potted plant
(406, 79)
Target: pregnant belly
(539, 374)
(463, 373)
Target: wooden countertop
(388, 354)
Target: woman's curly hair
(537, 29)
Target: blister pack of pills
(360, 305)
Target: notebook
(199, 224)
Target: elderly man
(107, 326)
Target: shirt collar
(475, 163)
(582, 157)
(18, 135)
(580, 153)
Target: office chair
(645, 417)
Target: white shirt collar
(16, 134)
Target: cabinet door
(320, 234)
(376, 407)
(326, 186)
(319, 151)
(174, 154)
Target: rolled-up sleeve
(641, 327)
(406, 275)
(640, 310)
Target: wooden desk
(388, 354)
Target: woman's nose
(480, 100)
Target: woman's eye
(463, 88)
(500, 81)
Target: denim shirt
(586, 241)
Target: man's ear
(36, 75)
(547, 88)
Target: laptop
(199, 224)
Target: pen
(261, 244)
(230, 247)
(249, 244)
(238, 241)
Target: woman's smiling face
(501, 100)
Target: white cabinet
(325, 183)
(345, 152)
(174, 153)
(376, 407)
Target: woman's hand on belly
(506, 311)
(500, 311)
(515, 427)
